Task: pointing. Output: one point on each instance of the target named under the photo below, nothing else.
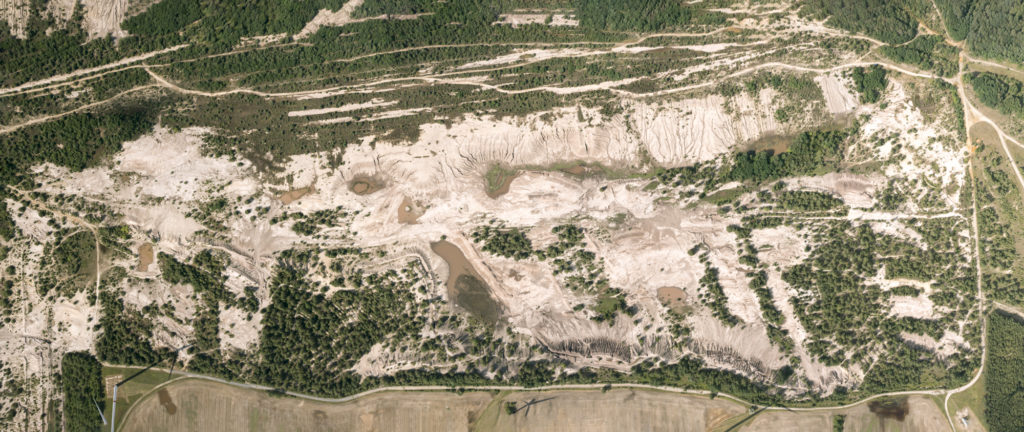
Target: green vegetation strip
(1004, 385)
(83, 391)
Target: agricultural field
(187, 404)
(743, 205)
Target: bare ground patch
(295, 194)
(145, 257)
(365, 185)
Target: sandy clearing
(171, 165)
(856, 190)
(695, 130)
(836, 89)
(164, 220)
(520, 19)
(918, 144)
(145, 257)
(375, 103)
(531, 55)
(237, 331)
(914, 307)
(71, 319)
(374, 117)
(16, 13)
(327, 17)
(103, 17)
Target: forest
(126, 333)
(641, 15)
(997, 30)
(309, 339)
(927, 52)
(814, 151)
(844, 313)
(870, 83)
(997, 91)
(82, 381)
(75, 141)
(509, 243)
(890, 21)
(1004, 379)
(7, 227)
(957, 16)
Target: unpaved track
(89, 71)
(77, 221)
(670, 389)
(44, 119)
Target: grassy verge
(130, 393)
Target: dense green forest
(641, 15)
(869, 82)
(7, 227)
(82, 380)
(890, 21)
(126, 333)
(1004, 378)
(997, 30)
(811, 152)
(308, 338)
(75, 141)
(927, 52)
(992, 28)
(957, 16)
(998, 91)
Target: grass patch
(498, 179)
(131, 392)
(726, 195)
(973, 398)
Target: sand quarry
(410, 196)
(422, 200)
(562, 169)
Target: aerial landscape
(512, 215)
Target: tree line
(81, 378)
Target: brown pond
(576, 170)
(365, 185)
(465, 287)
(407, 211)
(294, 194)
(145, 257)
(672, 297)
(498, 181)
